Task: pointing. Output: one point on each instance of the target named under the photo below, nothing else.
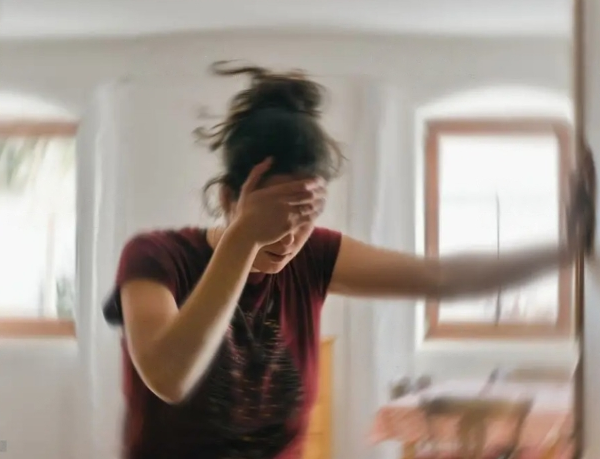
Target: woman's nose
(287, 240)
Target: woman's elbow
(170, 396)
(169, 391)
(167, 384)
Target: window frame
(16, 327)
(434, 129)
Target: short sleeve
(143, 257)
(324, 247)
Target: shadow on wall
(498, 102)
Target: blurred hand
(581, 209)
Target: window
(37, 229)
(494, 185)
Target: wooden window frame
(528, 126)
(37, 327)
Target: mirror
(458, 123)
(586, 92)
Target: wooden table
(548, 425)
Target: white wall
(422, 70)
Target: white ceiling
(111, 18)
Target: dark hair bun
(291, 91)
(276, 115)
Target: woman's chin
(270, 264)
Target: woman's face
(273, 258)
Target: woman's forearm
(184, 350)
(476, 274)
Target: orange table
(549, 422)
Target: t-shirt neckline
(253, 278)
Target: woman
(222, 324)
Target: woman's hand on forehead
(283, 179)
(275, 210)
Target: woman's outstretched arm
(365, 270)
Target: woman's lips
(276, 256)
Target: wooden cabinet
(318, 443)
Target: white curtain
(139, 168)
(100, 234)
(379, 333)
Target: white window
(37, 228)
(493, 185)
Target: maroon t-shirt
(255, 399)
